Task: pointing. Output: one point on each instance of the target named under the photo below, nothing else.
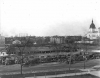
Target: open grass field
(49, 66)
(40, 74)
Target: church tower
(92, 27)
(93, 33)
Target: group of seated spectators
(28, 61)
(31, 60)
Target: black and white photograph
(49, 38)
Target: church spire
(92, 21)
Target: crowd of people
(31, 60)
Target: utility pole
(71, 49)
(21, 61)
(70, 61)
(84, 60)
(85, 44)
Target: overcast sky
(48, 17)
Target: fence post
(45, 74)
(55, 74)
(23, 75)
(75, 73)
(34, 75)
(65, 72)
(81, 73)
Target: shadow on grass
(40, 74)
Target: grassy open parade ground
(46, 69)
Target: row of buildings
(92, 34)
(49, 44)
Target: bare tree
(21, 46)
